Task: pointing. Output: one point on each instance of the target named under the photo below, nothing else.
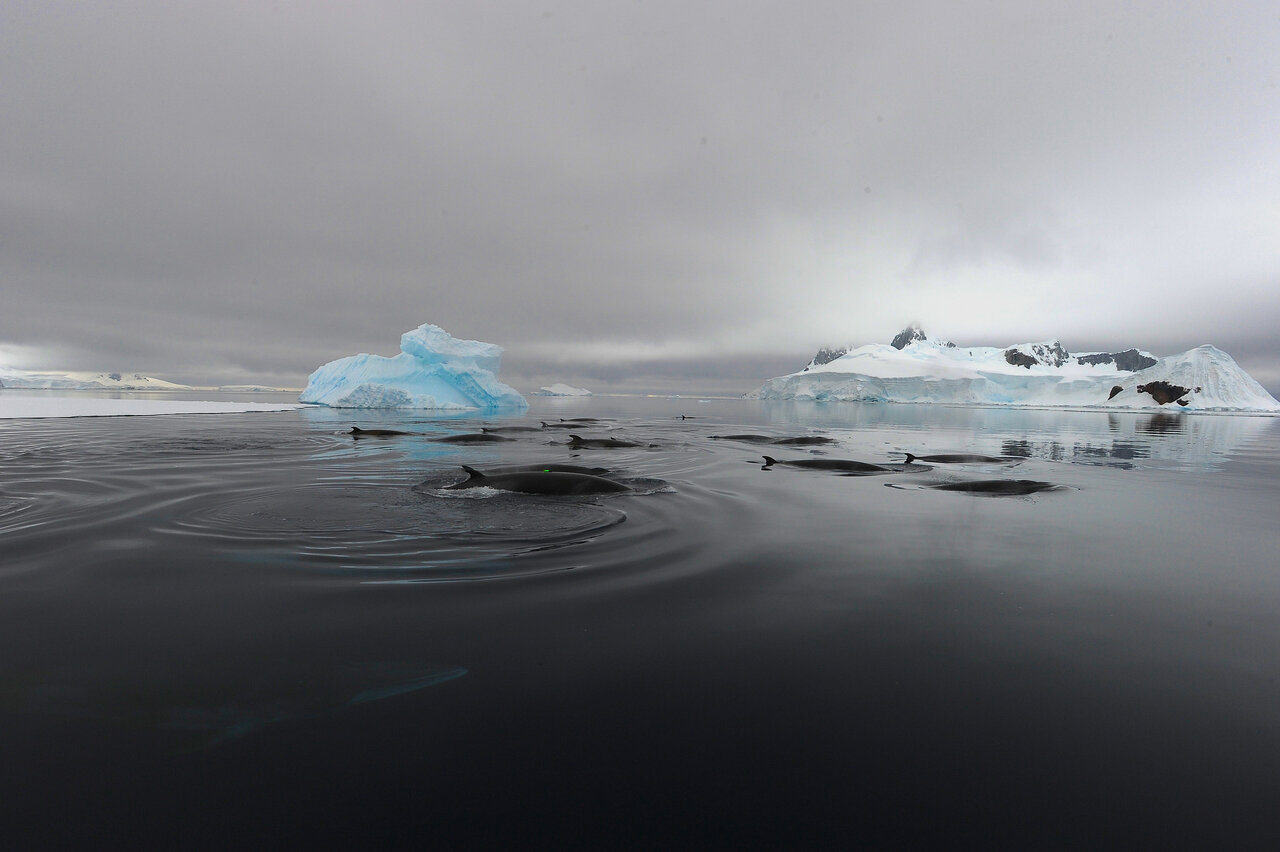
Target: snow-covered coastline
(1203, 379)
(561, 389)
(28, 380)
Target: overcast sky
(622, 192)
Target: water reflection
(1119, 439)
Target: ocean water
(223, 631)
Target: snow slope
(84, 381)
(561, 389)
(1031, 374)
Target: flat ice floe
(13, 406)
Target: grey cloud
(239, 186)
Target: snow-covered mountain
(10, 378)
(1031, 374)
(561, 389)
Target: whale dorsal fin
(768, 460)
(472, 472)
(910, 459)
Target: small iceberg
(433, 370)
(561, 389)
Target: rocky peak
(910, 334)
(1050, 354)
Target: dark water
(252, 630)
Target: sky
(632, 194)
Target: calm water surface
(253, 630)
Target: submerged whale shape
(202, 713)
(842, 465)
(541, 482)
(996, 487)
(959, 458)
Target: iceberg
(1041, 374)
(433, 370)
(561, 389)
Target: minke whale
(803, 441)
(471, 438)
(996, 487)
(577, 442)
(541, 482)
(959, 458)
(357, 432)
(842, 465)
(549, 467)
(503, 429)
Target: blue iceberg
(433, 370)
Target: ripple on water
(382, 531)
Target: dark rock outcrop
(1130, 360)
(1115, 389)
(827, 355)
(1019, 359)
(1050, 355)
(1163, 392)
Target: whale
(803, 441)
(577, 442)
(550, 467)
(541, 482)
(996, 487)
(503, 429)
(357, 432)
(843, 465)
(959, 458)
(471, 438)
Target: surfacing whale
(471, 438)
(357, 432)
(843, 465)
(959, 458)
(802, 441)
(577, 442)
(503, 429)
(549, 467)
(541, 482)
(996, 487)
